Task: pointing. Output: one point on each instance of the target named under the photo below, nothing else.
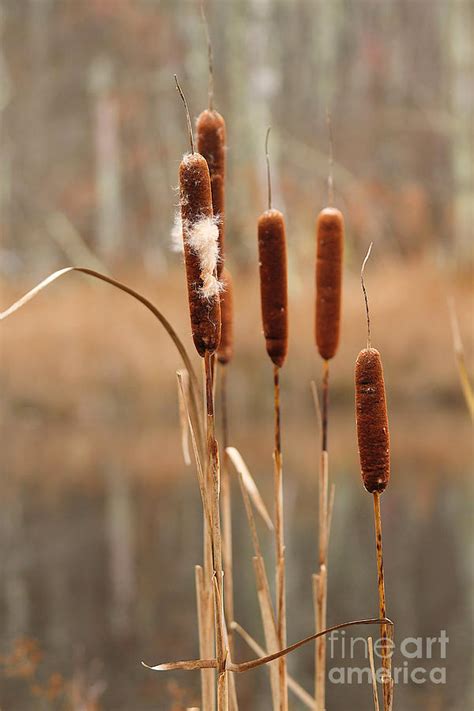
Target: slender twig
(386, 653)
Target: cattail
(273, 276)
(200, 240)
(273, 284)
(200, 252)
(330, 248)
(226, 345)
(374, 454)
(372, 421)
(211, 137)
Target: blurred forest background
(100, 519)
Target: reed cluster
(211, 313)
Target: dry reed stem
(321, 596)
(207, 675)
(203, 489)
(263, 588)
(372, 673)
(204, 594)
(317, 404)
(183, 418)
(461, 359)
(325, 515)
(192, 664)
(279, 540)
(293, 685)
(386, 638)
(250, 485)
(226, 511)
(269, 627)
(216, 538)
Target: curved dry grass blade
(293, 685)
(192, 664)
(188, 665)
(254, 663)
(200, 471)
(118, 285)
(461, 358)
(372, 673)
(183, 418)
(250, 485)
(195, 388)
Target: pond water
(101, 529)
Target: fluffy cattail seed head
(330, 249)
(200, 252)
(372, 421)
(226, 346)
(273, 284)
(211, 140)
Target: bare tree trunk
(461, 22)
(108, 172)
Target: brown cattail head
(226, 346)
(372, 421)
(330, 249)
(211, 138)
(200, 252)
(273, 284)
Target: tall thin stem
(226, 511)
(320, 580)
(216, 538)
(279, 539)
(384, 631)
(269, 175)
(210, 62)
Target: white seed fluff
(177, 234)
(202, 238)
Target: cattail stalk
(211, 143)
(374, 454)
(200, 237)
(224, 356)
(274, 303)
(329, 257)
